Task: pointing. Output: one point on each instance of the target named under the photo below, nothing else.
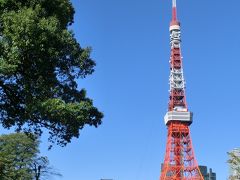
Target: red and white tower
(180, 162)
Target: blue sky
(130, 42)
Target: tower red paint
(179, 162)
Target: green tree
(16, 154)
(40, 61)
(234, 162)
(20, 160)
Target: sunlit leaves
(40, 60)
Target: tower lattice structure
(179, 162)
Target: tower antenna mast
(174, 11)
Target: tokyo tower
(179, 162)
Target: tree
(16, 153)
(41, 168)
(40, 61)
(234, 162)
(20, 160)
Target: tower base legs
(179, 162)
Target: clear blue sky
(130, 42)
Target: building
(207, 175)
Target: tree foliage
(40, 61)
(16, 153)
(20, 160)
(234, 162)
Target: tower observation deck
(179, 162)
